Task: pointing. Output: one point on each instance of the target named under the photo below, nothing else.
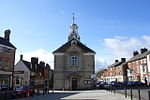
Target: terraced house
(116, 71)
(7, 59)
(34, 73)
(138, 66)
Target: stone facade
(74, 63)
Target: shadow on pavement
(51, 96)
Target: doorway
(74, 83)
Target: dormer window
(74, 61)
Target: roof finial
(73, 18)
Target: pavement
(80, 95)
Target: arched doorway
(74, 83)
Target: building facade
(138, 66)
(38, 75)
(7, 59)
(74, 64)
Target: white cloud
(147, 39)
(100, 64)
(42, 55)
(123, 46)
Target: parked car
(115, 84)
(104, 85)
(138, 83)
(130, 83)
(124, 83)
(23, 91)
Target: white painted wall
(20, 66)
(148, 62)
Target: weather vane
(73, 18)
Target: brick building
(138, 66)
(116, 71)
(7, 59)
(33, 73)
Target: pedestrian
(145, 81)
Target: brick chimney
(135, 53)
(42, 63)
(116, 61)
(21, 57)
(123, 59)
(7, 34)
(34, 60)
(143, 50)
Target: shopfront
(5, 82)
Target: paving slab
(80, 95)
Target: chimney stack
(7, 35)
(34, 60)
(135, 53)
(21, 57)
(116, 61)
(123, 59)
(143, 50)
(42, 63)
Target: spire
(73, 18)
(74, 30)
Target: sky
(112, 28)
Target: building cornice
(7, 47)
(89, 53)
(59, 54)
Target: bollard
(52, 90)
(149, 95)
(139, 94)
(38, 92)
(131, 93)
(114, 90)
(125, 92)
(111, 89)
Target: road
(79, 95)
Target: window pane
(74, 60)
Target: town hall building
(74, 64)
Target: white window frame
(74, 60)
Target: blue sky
(112, 28)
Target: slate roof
(3, 41)
(116, 64)
(28, 64)
(68, 44)
(139, 56)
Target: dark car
(104, 85)
(115, 84)
(130, 83)
(138, 83)
(23, 91)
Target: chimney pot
(116, 61)
(123, 59)
(7, 34)
(143, 50)
(34, 60)
(21, 57)
(135, 53)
